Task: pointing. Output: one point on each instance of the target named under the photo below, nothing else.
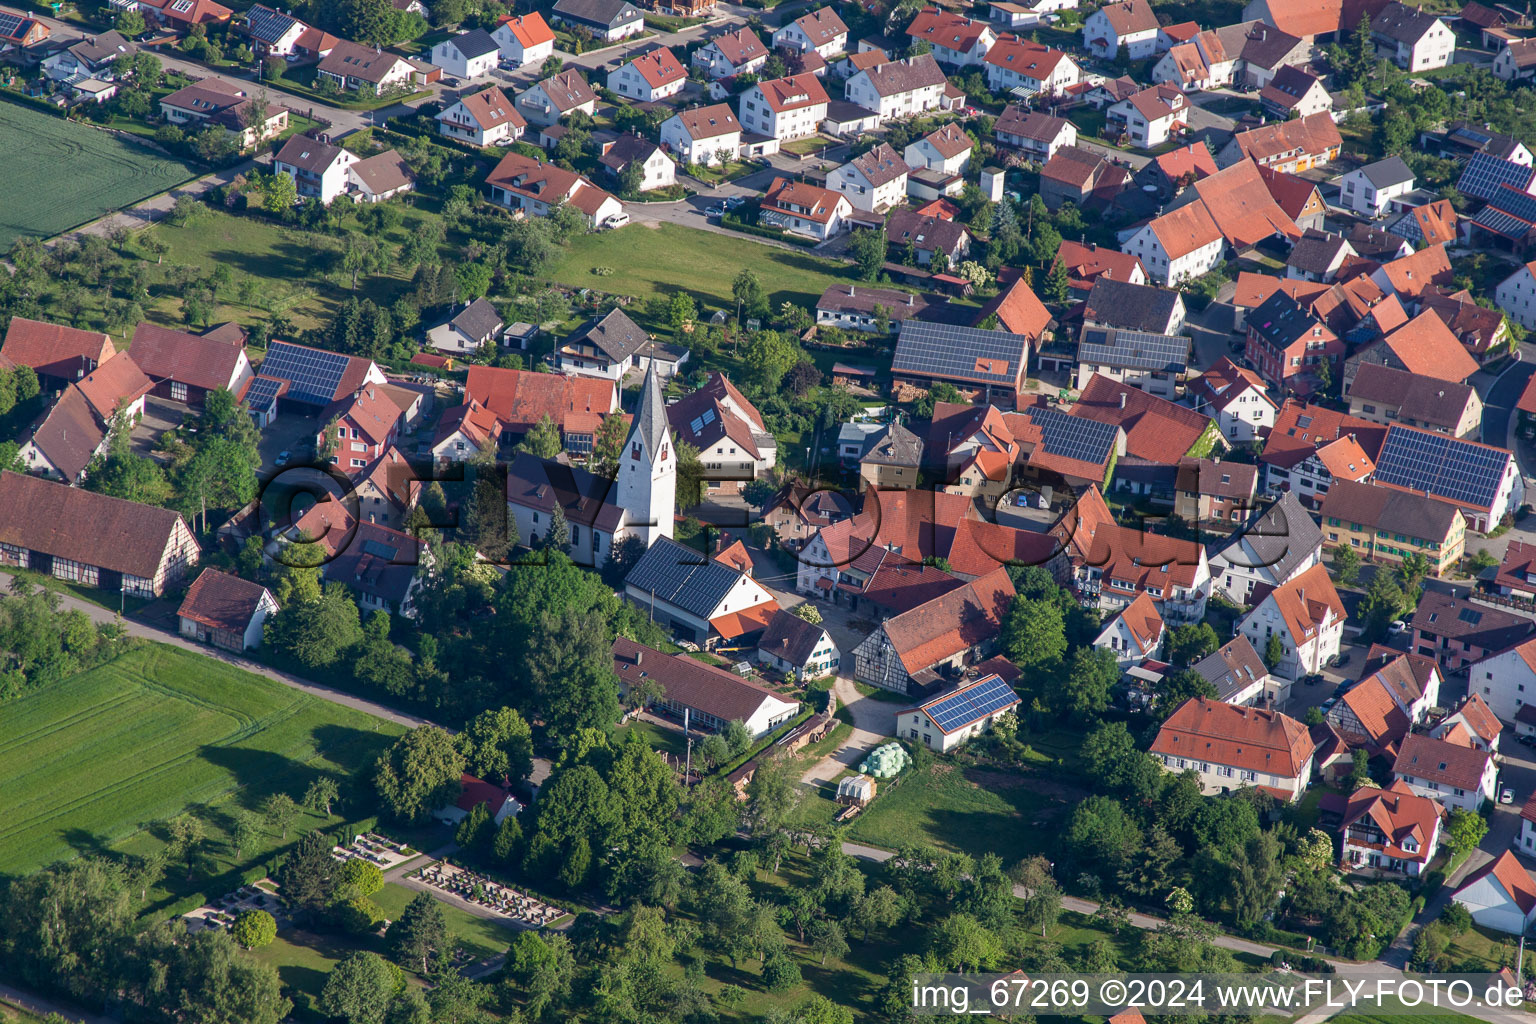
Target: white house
(1236, 398)
(318, 169)
(468, 55)
(784, 108)
(1179, 245)
(1516, 295)
(1392, 830)
(1131, 25)
(524, 38)
(874, 182)
(524, 183)
(1369, 190)
(820, 30)
(1501, 896)
(731, 54)
(656, 168)
(952, 717)
(1152, 115)
(703, 135)
(703, 600)
(804, 209)
(712, 698)
(1014, 63)
(1229, 747)
(1527, 840)
(1506, 681)
(1473, 723)
(955, 39)
(355, 67)
(558, 95)
(1136, 634)
(1276, 548)
(607, 20)
(946, 149)
(649, 77)
(1036, 135)
(225, 610)
(1460, 777)
(1307, 617)
(1515, 60)
(468, 330)
(791, 646)
(1411, 38)
(1025, 13)
(485, 119)
(898, 88)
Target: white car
(1506, 795)
(618, 220)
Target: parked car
(1400, 626)
(1330, 702)
(1529, 739)
(283, 458)
(715, 212)
(1506, 795)
(732, 202)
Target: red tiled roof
(1424, 758)
(1086, 263)
(83, 526)
(951, 623)
(1305, 602)
(1301, 429)
(520, 398)
(1410, 275)
(1426, 346)
(659, 67)
(792, 92)
(1018, 310)
(118, 380)
(1194, 159)
(54, 349)
(1512, 876)
(1142, 619)
(692, 683)
(1400, 814)
(221, 601)
(1248, 739)
(188, 358)
(1155, 429)
(527, 29)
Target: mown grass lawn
(478, 935)
(962, 812)
(92, 762)
(658, 261)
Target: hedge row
(736, 224)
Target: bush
(254, 928)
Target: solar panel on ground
(972, 705)
(312, 375)
(1444, 466)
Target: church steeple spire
(648, 467)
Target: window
(178, 391)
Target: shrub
(254, 928)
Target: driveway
(874, 722)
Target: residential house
(64, 442)
(1318, 256)
(734, 444)
(797, 511)
(699, 599)
(1295, 92)
(1036, 135)
(892, 458)
(1483, 332)
(1156, 430)
(524, 38)
(91, 57)
(1516, 59)
(1229, 746)
(820, 30)
(1516, 295)
(20, 30)
(1516, 575)
(1426, 224)
(1136, 634)
(1291, 348)
(1288, 147)
(116, 388)
(225, 611)
(1018, 310)
(1087, 263)
(535, 187)
(955, 39)
(1393, 695)
(1311, 446)
(1209, 490)
(486, 118)
(990, 364)
(733, 53)
(604, 347)
(652, 76)
(1132, 305)
(319, 170)
(796, 648)
(1236, 398)
(1172, 172)
(468, 55)
(1080, 177)
(1152, 116)
(1459, 777)
(705, 696)
(91, 539)
(1179, 245)
(182, 15)
(58, 354)
(1482, 480)
(1409, 277)
(1319, 22)
(559, 95)
(379, 177)
(1457, 632)
(1239, 675)
(1131, 24)
(784, 108)
(1501, 896)
(1275, 548)
(1411, 38)
(1301, 200)
(958, 713)
(1370, 190)
(1387, 394)
(946, 149)
(360, 426)
(1306, 615)
(381, 567)
(607, 20)
(1153, 363)
(1506, 681)
(1015, 63)
(353, 67)
(703, 135)
(214, 101)
(803, 209)
(873, 182)
(858, 307)
(897, 88)
(656, 168)
(937, 638)
(186, 367)
(930, 237)
(464, 432)
(474, 326)
(1390, 830)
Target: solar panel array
(972, 705)
(266, 25)
(683, 577)
(1074, 437)
(945, 350)
(10, 25)
(1484, 175)
(1513, 201)
(1446, 467)
(1490, 218)
(380, 550)
(1136, 350)
(312, 375)
(262, 392)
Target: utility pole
(688, 764)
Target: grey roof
(1133, 350)
(901, 76)
(895, 446)
(1402, 23)
(1136, 307)
(99, 49)
(598, 12)
(859, 298)
(1315, 251)
(1231, 669)
(582, 496)
(859, 434)
(308, 154)
(615, 334)
(1281, 321)
(625, 150)
(1391, 171)
(1386, 508)
(650, 427)
(477, 319)
(962, 353)
(1281, 538)
(790, 638)
(1450, 616)
(880, 165)
(682, 577)
(477, 42)
(1426, 399)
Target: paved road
(874, 723)
(42, 1006)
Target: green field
(104, 173)
(93, 759)
(949, 811)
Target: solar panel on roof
(1515, 202)
(10, 24)
(1501, 223)
(1444, 466)
(1074, 437)
(972, 705)
(262, 393)
(1484, 174)
(946, 350)
(379, 549)
(682, 576)
(313, 376)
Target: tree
(1035, 635)
(1464, 830)
(476, 830)
(780, 972)
(279, 192)
(1188, 644)
(130, 23)
(827, 939)
(542, 439)
(498, 745)
(807, 611)
(281, 812)
(1090, 682)
(1360, 768)
(1041, 905)
(357, 879)
(690, 475)
(747, 290)
(1101, 835)
(1384, 601)
(1274, 652)
(608, 446)
(360, 988)
(419, 774)
(253, 928)
(322, 792)
(243, 832)
(558, 536)
(768, 357)
(307, 873)
(868, 251)
(421, 932)
(187, 835)
(771, 795)
(1346, 565)
(1058, 284)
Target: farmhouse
(1228, 747)
(936, 638)
(710, 697)
(950, 718)
(59, 355)
(63, 444)
(796, 647)
(186, 367)
(225, 611)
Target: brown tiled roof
(118, 380)
(54, 349)
(951, 623)
(880, 165)
(1073, 165)
(1380, 716)
(1142, 619)
(221, 601)
(710, 122)
(1410, 275)
(740, 47)
(379, 562)
(790, 638)
(1225, 381)
(1437, 402)
(1386, 508)
(691, 683)
(1314, 135)
(735, 417)
(1425, 346)
(353, 60)
(189, 358)
(1301, 429)
(1130, 17)
(949, 140)
(1306, 601)
(811, 201)
(1449, 764)
(1155, 429)
(896, 77)
(69, 435)
(1248, 739)
(567, 90)
(821, 26)
(83, 526)
(1400, 814)
(490, 108)
(1476, 625)
(659, 67)
(1221, 479)
(1030, 124)
(384, 172)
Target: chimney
(639, 655)
(911, 299)
(1122, 399)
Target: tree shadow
(86, 843)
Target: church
(602, 513)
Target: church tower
(648, 466)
